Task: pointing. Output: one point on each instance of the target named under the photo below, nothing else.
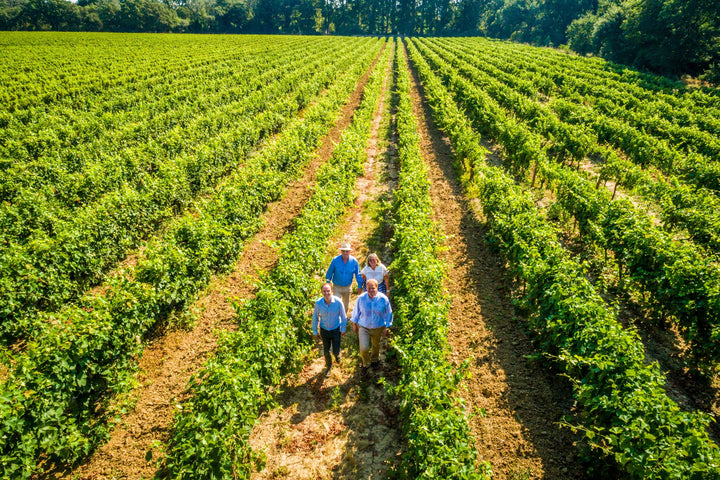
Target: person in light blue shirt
(371, 317)
(329, 322)
(340, 273)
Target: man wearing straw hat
(340, 274)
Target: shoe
(328, 371)
(375, 365)
(364, 371)
(337, 360)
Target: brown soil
(339, 426)
(522, 403)
(170, 359)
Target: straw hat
(345, 246)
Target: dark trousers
(331, 339)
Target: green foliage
(580, 33)
(683, 284)
(439, 442)
(666, 36)
(209, 438)
(53, 402)
(623, 410)
(712, 74)
(66, 228)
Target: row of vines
(623, 412)
(60, 381)
(680, 279)
(210, 435)
(66, 228)
(440, 444)
(133, 173)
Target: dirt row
(663, 343)
(519, 403)
(342, 426)
(172, 357)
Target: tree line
(664, 36)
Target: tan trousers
(367, 336)
(344, 294)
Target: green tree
(51, 15)
(146, 16)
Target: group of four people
(370, 318)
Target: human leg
(336, 340)
(364, 343)
(327, 338)
(375, 336)
(344, 294)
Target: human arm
(388, 317)
(315, 322)
(343, 318)
(359, 278)
(355, 315)
(330, 271)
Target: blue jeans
(331, 340)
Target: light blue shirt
(330, 316)
(341, 273)
(373, 312)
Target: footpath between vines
(516, 404)
(339, 426)
(172, 358)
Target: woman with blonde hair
(375, 270)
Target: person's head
(373, 260)
(327, 291)
(372, 287)
(345, 250)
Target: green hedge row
(434, 422)
(696, 209)
(49, 268)
(683, 283)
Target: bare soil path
(339, 426)
(174, 356)
(521, 403)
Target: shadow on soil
(537, 397)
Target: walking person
(340, 273)
(371, 317)
(375, 270)
(330, 319)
